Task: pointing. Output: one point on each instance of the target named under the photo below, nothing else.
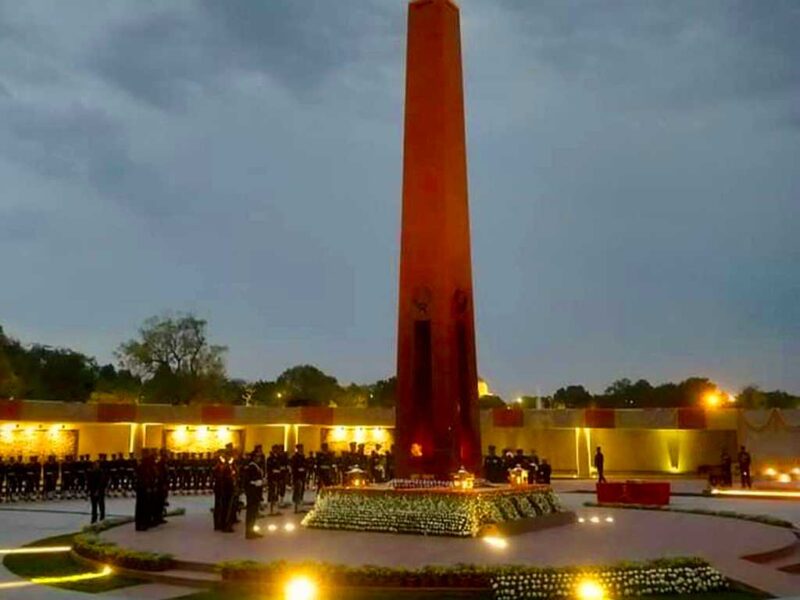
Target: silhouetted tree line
(171, 361)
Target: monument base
(438, 511)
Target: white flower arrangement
(442, 511)
(616, 581)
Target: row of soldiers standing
(53, 478)
(496, 467)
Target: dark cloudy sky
(634, 182)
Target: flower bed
(666, 576)
(444, 511)
(675, 576)
(94, 548)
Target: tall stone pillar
(438, 426)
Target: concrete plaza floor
(632, 535)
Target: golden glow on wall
(338, 438)
(36, 439)
(201, 438)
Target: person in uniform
(145, 490)
(727, 469)
(2, 475)
(273, 479)
(218, 477)
(492, 465)
(50, 477)
(298, 466)
(600, 465)
(159, 501)
(545, 471)
(323, 467)
(96, 484)
(253, 483)
(744, 468)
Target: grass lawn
(29, 566)
(410, 595)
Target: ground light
(36, 550)
(300, 587)
(56, 580)
(756, 493)
(589, 589)
(495, 542)
(289, 527)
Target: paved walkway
(632, 535)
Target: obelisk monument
(438, 428)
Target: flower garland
(616, 582)
(430, 512)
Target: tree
(490, 401)
(173, 357)
(266, 393)
(573, 396)
(383, 392)
(306, 385)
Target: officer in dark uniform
(161, 488)
(96, 484)
(274, 477)
(33, 478)
(283, 486)
(50, 477)
(218, 475)
(11, 479)
(390, 463)
(130, 474)
(744, 467)
(2, 475)
(145, 490)
(253, 483)
(727, 469)
(80, 475)
(600, 465)
(67, 475)
(323, 467)
(493, 466)
(545, 472)
(298, 466)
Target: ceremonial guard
(145, 491)
(224, 491)
(274, 477)
(253, 482)
(50, 477)
(600, 465)
(493, 466)
(96, 484)
(744, 468)
(298, 466)
(162, 488)
(324, 467)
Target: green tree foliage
(383, 393)
(306, 385)
(573, 396)
(175, 360)
(490, 401)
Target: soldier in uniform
(744, 467)
(545, 471)
(218, 475)
(253, 483)
(161, 488)
(145, 490)
(492, 466)
(324, 467)
(727, 469)
(600, 465)
(390, 463)
(283, 484)
(130, 474)
(298, 465)
(33, 478)
(96, 484)
(67, 475)
(11, 479)
(2, 475)
(50, 477)
(274, 477)
(80, 475)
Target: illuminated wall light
(796, 471)
(609, 519)
(339, 434)
(202, 433)
(595, 519)
(770, 472)
(360, 435)
(300, 587)
(272, 528)
(289, 527)
(581, 520)
(378, 434)
(784, 478)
